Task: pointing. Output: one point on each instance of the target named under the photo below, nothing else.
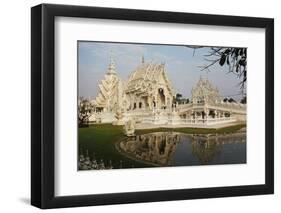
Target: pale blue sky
(182, 66)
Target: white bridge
(236, 108)
(183, 115)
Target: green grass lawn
(224, 130)
(99, 140)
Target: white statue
(119, 115)
(129, 128)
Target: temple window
(140, 105)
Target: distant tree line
(231, 100)
(180, 100)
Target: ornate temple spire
(111, 68)
(205, 91)
(107, 87)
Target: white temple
(148, 98)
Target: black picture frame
(43, 101)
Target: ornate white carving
(147, 98)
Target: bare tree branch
(234, 58)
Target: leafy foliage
(85, 109)
(230, 100)
(178, 99)
(243, 100)
(234, 58)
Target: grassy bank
(99, 140)
(224, 130)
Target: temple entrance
(203, 116)
(161, 97)
(227, 114)
(212, 114)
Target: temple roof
(204, 84)
(147, 73)
(204, 89)
(107, 86)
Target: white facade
(148, 98)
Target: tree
(230, 100)
(85, 109)
(178, 99)
(178, 96)
(225, 100)
(243, 100)
(234, 58)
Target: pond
(179, 149)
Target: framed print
(139, 106)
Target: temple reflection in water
(178, 149)
(156, 148)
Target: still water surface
(178, 149)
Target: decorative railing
(173, 120)
(236, 107)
